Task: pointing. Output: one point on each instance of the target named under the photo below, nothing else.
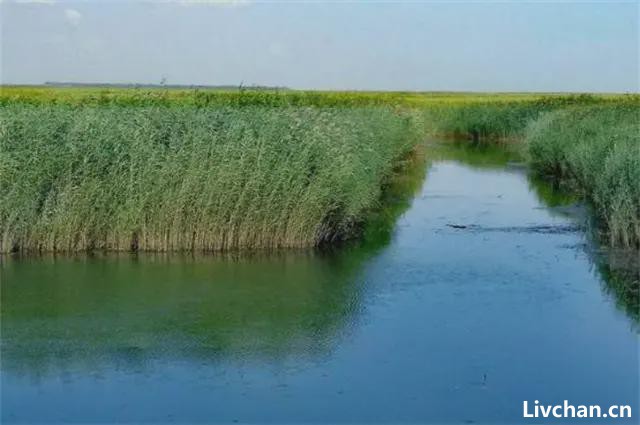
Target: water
(423, 322)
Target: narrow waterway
(477, 292)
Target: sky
(359, 45)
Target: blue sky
(411, 45)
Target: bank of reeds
(594, 151)
(505, 118)
(189, 178)
(588, 144)
(84, 168)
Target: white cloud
(73, 16)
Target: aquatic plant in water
(189, 178)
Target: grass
(587, 144)
(177, 169)
(188, 178)
(594, 151)
(507, 118)
(86, 96)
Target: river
(476, 288)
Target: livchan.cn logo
(566, 410)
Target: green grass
(189, 178)
(506, 118)
(588, 144)
(93, 96)
(178, 169)
(594, 151)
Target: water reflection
(618, 269)
(418, 322)
(68, 314)
(620, 274)
(80, 313)
(84, 313)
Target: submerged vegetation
(124, 169)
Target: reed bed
(585, 143)
(180, 169)
(594, 151)
(506, 118)
(160, 178)
(95, 96)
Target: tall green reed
(189, 178)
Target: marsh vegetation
(162, 170)
(160, 179)
(192, 337)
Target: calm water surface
(422, 323)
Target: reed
(179, 169)
(588, 144)
(594, 151)
(187, 178)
